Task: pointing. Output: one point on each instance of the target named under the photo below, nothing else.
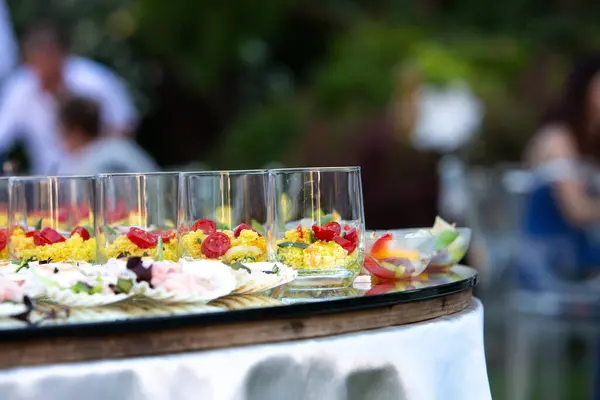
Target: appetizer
(323, 247)
(244, 244)
(137, 242)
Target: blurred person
(8, 43)
(562, 212)
(31, 96)
(88, 152)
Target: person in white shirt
(29, 109)
(87, 152)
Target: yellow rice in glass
(72, 249)
(123, 246)
(318, 255)
(192, 246)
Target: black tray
(305, 303)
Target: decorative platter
(135, 328)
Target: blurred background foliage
(238, 84)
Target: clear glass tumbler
(317, 223)
(224, 215)
(4, 259)
(136, 214)
(51, 219)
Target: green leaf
(258, 227)
(82, 287)
(159, 250)
(110, 230)
(238, 265)
(90, 230)
(325, 219)
(297, 245)
(123, 285)
(276, 269)
(445, 239)
(23, 264)
(38, 224)
(223, 226)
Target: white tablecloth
(442, 359)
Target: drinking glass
(224, 215)
(137, 215)
(4, 259)
(317, 221)
(51, 219)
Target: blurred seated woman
(89, 153)
(563, 209)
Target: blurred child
(88, 152)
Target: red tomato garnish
(346, 244)
(374, 268)
(300, 231)
(206, 225)
(3, 238)
(38, 239)
(242, 227)
(167, 236)
(30, 233)
(323, 234)
(81, 231)
(352, 236)
(215, 245)
(347, 227)
(141, 238)
(381, 244)
(51, 236)
(333, 226)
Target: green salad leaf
(326, 218)
(238, 265)
(297, 245)
(258, 227)
(38, 224)
(445, 239)
(110, 230)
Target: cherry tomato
(206, 225)
(346, 244)
(3, 238)
(374, 268)
(141, 238)
(242, 227)
(215, 245)
(323, 234)
(38, 239)
(30, 233)
(381, 244)
(167, 236)
(352, 235)
(51, 236)
(81, 231)
(333, 226)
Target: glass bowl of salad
(452, 244)
(317, 224)
(399, 254)
(224, 216)
(137, 216)
(51, 220)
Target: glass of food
(401, 254)
(452, 244)
(51, 219)
(4, 259)
(317, 224)
(137, 216)
(224, 216)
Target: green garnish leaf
(23, 264)
(313, 238)
(110, 230)
(258, 227)
(123, 286)
(82, 287)
(326, 218)
(223, 226)
(159, 250)
(276, 269)
(238, 265)
(297, 245)
(90, 230)
(38, 224)
(199, 241)
(445, 239)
